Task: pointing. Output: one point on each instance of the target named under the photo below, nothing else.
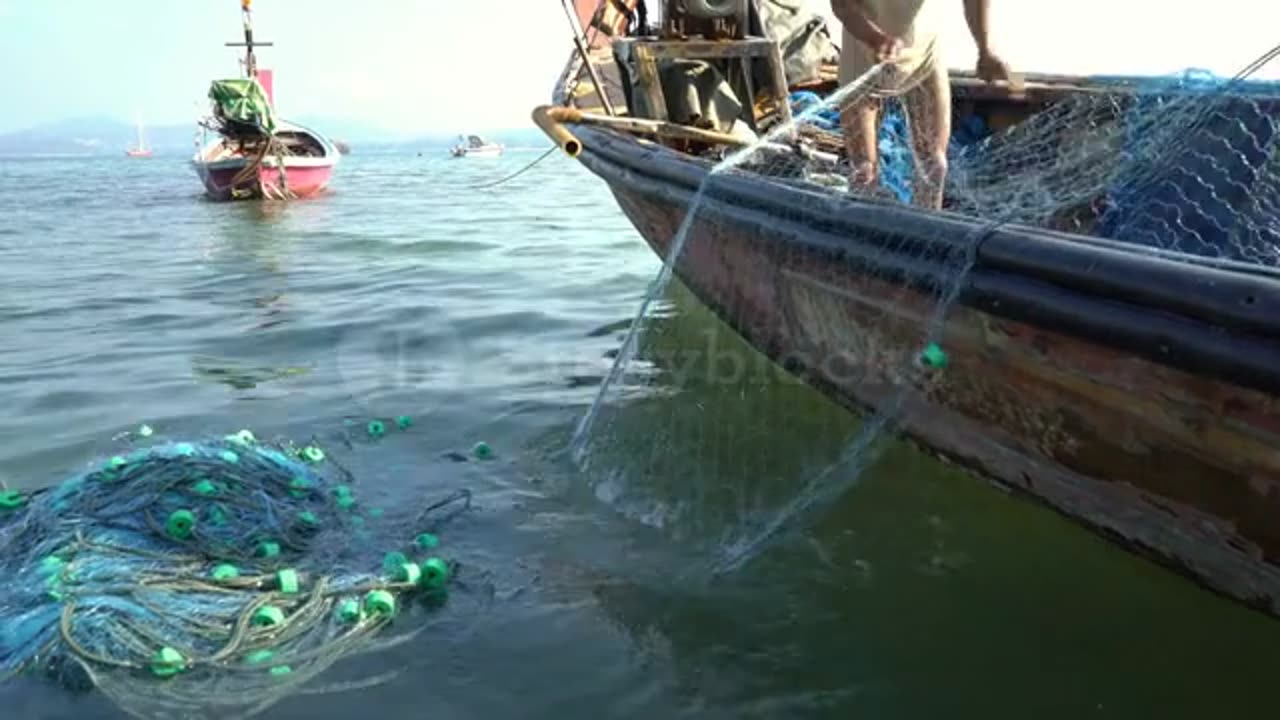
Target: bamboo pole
(552, 120)
(579, 36)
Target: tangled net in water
(227, 572)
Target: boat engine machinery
(712, 19)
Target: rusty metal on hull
(1138, 395)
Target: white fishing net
(696, 433)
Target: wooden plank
(702, 49)
(650, 84)
(741, 50)
(782, 95)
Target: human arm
(990, 66)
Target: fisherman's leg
(861, 124)
(928, 110)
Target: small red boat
(253, 154)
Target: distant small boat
(141, 149)
(475, 146)
(256, 154)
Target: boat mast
(250, 61)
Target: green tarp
(243, 100)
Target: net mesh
(213, 577)
(1184, 166)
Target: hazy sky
(449, 65)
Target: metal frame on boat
(1131, 389)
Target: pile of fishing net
(225, 573)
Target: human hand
(886, 48)
(991, 68)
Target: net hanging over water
(213, 577)
(695, 432)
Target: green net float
(287, 581)
(426, 541)
(299, 487)
(217, 516)
(52, 565)
(167, 662)
(341, 490)
(267, 616)
(308, 519)
(116, 462)
(181, 524)
(408, 573)
(376, 428)
(933, 356)
(380, 603)
(229, 456)
(281, 671)
(268, 549)
(349, 611)
(403, 422)
(346, 502)
(393, 560)
(11, 500)
(205, 487)
(146, 431)
(258, 657)
(244, 437)
(435, 573)
(224, 572)
(184, 449)
(312, 454)
(482, 451)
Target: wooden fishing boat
(1135, 390)
(231, 171)
(246, 152)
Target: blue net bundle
(224, 573)
(1184, 164)
(1187, 164)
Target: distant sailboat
(141, 150)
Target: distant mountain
(100, 135)
(351, 131)
(512, 138)
(96, 135)
(92, 135)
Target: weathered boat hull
(304, 181)
(222, 171)
(1133, 392)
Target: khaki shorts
(913, 65)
